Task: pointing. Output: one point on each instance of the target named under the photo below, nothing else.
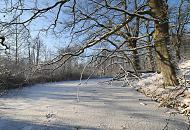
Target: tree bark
(135, 57)
(133, 43)
(135, 62)
(16, 44)
(177, 48)
(150, 49)
(38, 47)
(180, 28)
(159, 11)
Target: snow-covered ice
(102, 107)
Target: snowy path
(101, 107)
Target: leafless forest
(103, 38)
(126, 40)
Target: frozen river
(54, 106)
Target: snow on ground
(184, 64)
(101, 107)
(172, 96)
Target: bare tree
(93, 22)
(180, 16)
(159, 11)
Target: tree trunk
(180, 28)
(177, 48)
(135, 57)
(133, 43)
(150, 49)
(16, 44)
(159, 11)
(29, 55)
(38, 46)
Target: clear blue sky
(50, 40)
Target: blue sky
(50, 40)
(59, 42)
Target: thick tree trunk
(159, 11)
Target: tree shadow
(10, 124)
